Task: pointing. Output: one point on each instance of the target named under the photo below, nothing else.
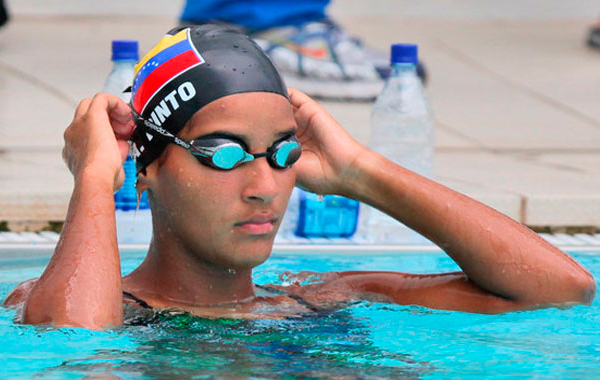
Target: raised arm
(81, 285)
(497, 254)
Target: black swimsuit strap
(295, 297)
(140, 302)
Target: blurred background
(514, 88)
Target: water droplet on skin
(138, 200)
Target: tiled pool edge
(30, 245)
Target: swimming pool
(363, 341)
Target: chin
(248, 256)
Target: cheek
(287, 183)
(197, 201)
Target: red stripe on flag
(163, 74)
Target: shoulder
(19, 294)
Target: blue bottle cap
(404, 53)
(124, 50)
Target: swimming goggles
(225, 153)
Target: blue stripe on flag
(158, 60)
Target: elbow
(577, 290)
(586, 288)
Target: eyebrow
(244, 139)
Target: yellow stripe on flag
(164, 43)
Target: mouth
(257, 225)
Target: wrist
(359, 178)
(100, 178)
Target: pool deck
(515, 91)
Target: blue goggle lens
(287, 153)
(228, 157)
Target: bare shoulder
(446, 291)
(19, 294)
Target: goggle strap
(161, 130)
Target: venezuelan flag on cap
(174, 55)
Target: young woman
(217, 147)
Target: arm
(497, 254)
(81, 285)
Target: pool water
(363, 341)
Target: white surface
(514, 90)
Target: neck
(172, 275)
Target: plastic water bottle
(402, 129)
(124, 57)
(289, 223)
(134, 221)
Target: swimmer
(219, 144)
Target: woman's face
(228, 218)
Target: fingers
(123, 149)
(123, 126)
(121, 120)
(119, 114)
(83, 107)
(298, 98)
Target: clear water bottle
(289, 223)
(124, 57)
(402, 129)
(134, 221)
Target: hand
(97, 137)
(329, 151)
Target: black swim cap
(189, 68)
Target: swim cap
(189, 68)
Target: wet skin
(212, 227)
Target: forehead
(254, 115)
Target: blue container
(126, 197)
(333, 216)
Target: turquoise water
(363, 341)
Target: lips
(257, 225)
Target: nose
(261, 185)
